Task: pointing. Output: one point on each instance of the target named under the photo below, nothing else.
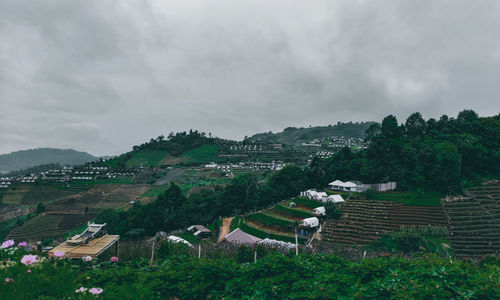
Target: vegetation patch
(205, 153)
(266, 234)
(297, 213)
(303, 201)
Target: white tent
(310, 222)
(336, 184)
(176, 239)
(321, 196)
(335, 199)
(319, 211)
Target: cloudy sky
(101, 76)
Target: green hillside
(35, 157)
(294, 135)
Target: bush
(333, 211)
(168, 249)
(413, 239)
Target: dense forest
(294, 135)
(443, 155)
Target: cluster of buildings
(356, 186)
(256, 147)
(337, 142)
(4, 182)
(273, 165)
(322, 196)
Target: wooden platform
(94, 248)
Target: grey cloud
(101, 76)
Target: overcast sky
(101, 76)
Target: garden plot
(475, 221)
(48, 226)
(99, 197)
(366, 220)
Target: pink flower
(28, 259)
(29, 270)
(22, 244)
(8, 279)
(95, 291)
(59, 253)
(114, 259)
(7, 244)
(81, 290)
(87, 258)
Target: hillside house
(199, 231)
(238, 236)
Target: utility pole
(296, 243)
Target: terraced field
(47, 226)
(99, 197)
(276, 223)
(475, 221)
(366, 220)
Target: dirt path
(226, 226)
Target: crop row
(290, 211)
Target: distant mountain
(35, 157)
(294, 135)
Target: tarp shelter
(319, 211)
(320, 196)
(238, 236)
(176, 239)
(335, 199)
(93, 248)
(310, 222)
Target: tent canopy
(310, 222)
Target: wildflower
(28, 259)
(95, 291)
(81, 290)
(87, 258)
(59, 254)
(114, 259)
(7, 244)
(22, 244)
(29, 270)
(8, 280)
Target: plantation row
(475, 222)
(366, 220)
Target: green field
(303, 201)
(291, 211)
(14, 196)
(270, 220)
(146, 157)
(263, 234)
(205, 153)
(415, 199)
(154, 191)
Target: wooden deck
(94, 248)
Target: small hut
(310, 222)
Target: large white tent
(310, 222)
(335, 199)
(321, 211)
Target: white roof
(322, 194)
(176, 239)
(335, 198)
(336, 182)
(310, 222)
(319, 210)
(349, 184)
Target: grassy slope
(146, 157)
(205, 153)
